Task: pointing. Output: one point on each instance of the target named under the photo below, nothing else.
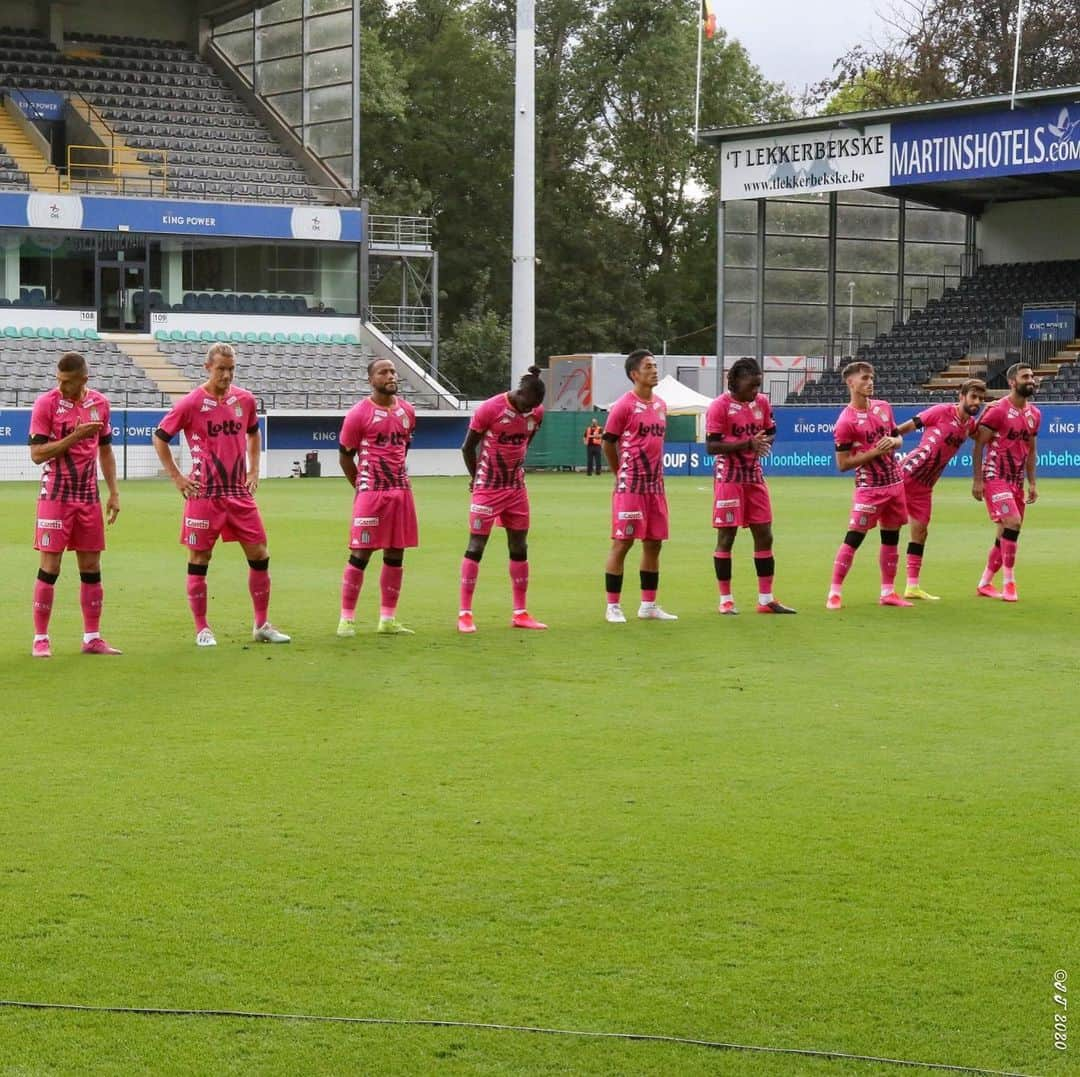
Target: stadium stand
(913, 354)
(184, 122)
(294, 374)
(28, 367)
(234, 303)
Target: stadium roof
(939, 120)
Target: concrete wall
(172, 21)
(1038, 231)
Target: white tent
(681, 399)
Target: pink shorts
(1003, 499)
(233, 519)
(920, 500)
(878, 506)
(498, 508)
(740, 504)
(639, 516)
(69, 525)
(384, 520)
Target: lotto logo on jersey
(195, 524)
(49, 525)
(634, 515)
(365, 521)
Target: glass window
(871, 289)
(238, 47)
(740, 250)
(740, 216)
(740, 283)
(868, 222)
(277, 41)
(327, 67)
(319, 7)
(935, 226)
(283, 9)
(859, 255)
(804, 218)
(290, 105)
(331, 139)
(796, 252)
(738, 319)
(808, 345)
(279, 75)
(330, 30)
(330, 103)
(796, 286)
(342, 166)
(794, 319)
(932, 258)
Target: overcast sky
(796, 41)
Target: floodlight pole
(523, 313)
(1016, 51)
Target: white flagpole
(697, 89)
(1016, 53)
(523, 284)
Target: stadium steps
(145, 354)
(134, 174)
(381, 346)
(42, 175)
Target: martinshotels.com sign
(803, 164)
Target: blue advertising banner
(91, 213)
(14, 426)
(304, 433)
(1050, 324)
(1002, 143)
(39, 104)
(804, 445)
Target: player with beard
(945, 428)
(1006, 453)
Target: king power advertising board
(964, 145)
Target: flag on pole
(709, 19)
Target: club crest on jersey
(629, 530)
(530, 425)
(95, 415)
(46, 540)
(365, 537)
(404, 422)
(239, 411)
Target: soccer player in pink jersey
(374, 439)
(945, 428)
(1006, 453)
(866, 439)
(634, 449)
(739, 431)
(70, 433)
(221, 427)
(494, 450)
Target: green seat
(308, 338)
(251, 338)
(162, 336)
(191, 336)
(336, 338)
(351, 338)
(60, 333)
(10, 331)
(281, 338)
(265, 338)
(43, 333)
(27, 332)
(236, 337)
(91, 334)
(207, 337)
(75, 333)
(295, 338)
(324, 338)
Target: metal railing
(403, 321)
(117, 167)
(404, 346)
(399, 232)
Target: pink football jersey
(858, 432)
(71, 476)
(216, 432)
(507, 433)
(1014, 429)
(729, 419)
(380, 437)
(640, 426)
(944, 432)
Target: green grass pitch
(852, 832)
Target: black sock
(613, 583)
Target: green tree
(476, 355)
